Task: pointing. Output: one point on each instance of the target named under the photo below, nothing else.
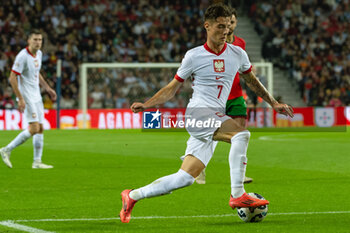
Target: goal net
(118, 85)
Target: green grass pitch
(304, 175)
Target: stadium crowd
(101, 31)
(308, 39)
(311, 40)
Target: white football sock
(163, 185)
(238, 162)
(21, 138)
(38, 144)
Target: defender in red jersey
(236, 106)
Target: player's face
(217, 30)
(35, 41)
(232, 24)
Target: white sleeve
(185, 69)
(246, 66)
(19, 64)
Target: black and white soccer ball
(253, 214)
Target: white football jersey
(27, 67)
(212, 73)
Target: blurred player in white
(25, 78)
(212, 67)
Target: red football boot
(245, 201)
(128, 204)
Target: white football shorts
(202, 122)
(34, 112)
(201, 143)
(201, 149)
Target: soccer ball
(253, 214)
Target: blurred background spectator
(310, 39)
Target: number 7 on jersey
(220, 90)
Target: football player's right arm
(162, 96)
(14, 84)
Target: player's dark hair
(34, 32)
(217, 10)
(234, 12)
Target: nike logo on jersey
(218, 77)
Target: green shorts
(236, 107)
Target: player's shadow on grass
(237, 222)
(109, 226)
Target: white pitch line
(67, 220)
(306, 213)
(20, 227)
(174, 217)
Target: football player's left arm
(255, 85)
(162, 96)
(46, 86)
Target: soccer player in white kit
(25, 78)
(212, 68)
